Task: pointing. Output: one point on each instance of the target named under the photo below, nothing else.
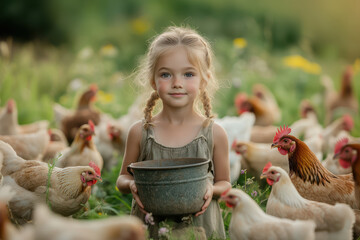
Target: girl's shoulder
(219, 133)
(135, 130)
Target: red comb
(339, 144)
(92, 126)
(233, 145)
(240, 98)
(10, 105)
(348, 122)
(225, 192)
(281, 132)
(348, 73)
(95, 167)
(267, 166)
(93, 87)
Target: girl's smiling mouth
(177, 94)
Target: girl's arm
(125, 181)
(221, 161)
(221, 167)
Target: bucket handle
(210, 166)
(129, 170)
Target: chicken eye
(285, 140)
(272, 172)
(90, 173)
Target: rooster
(332, 222)
(343, 102)
(83, 150)
(66, 189)
(248, 220)
(311, 179)
(84, 112)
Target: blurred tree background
(54, 42)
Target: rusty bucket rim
(134, 165)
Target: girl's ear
(153, 84)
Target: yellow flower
(105, 97)
(297, 61)
(116, 188)
(99, 213)
(240, 42)
(356, 65)
(140, 26)
(108, 50)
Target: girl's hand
(134, 191)
(208, 197)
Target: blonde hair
(200, 54)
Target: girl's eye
(189, 74)
(165, 75)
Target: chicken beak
(263, 175)
(336, 156)
(99, 178)
(274, 145)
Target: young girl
(179, 69)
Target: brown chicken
(343, 102)
(109, 142)
(262, 103)
(8, 119)
(349, 156)
(47, 225)
(9, 122)
(66, 191)
(58, 142)
(256, 155)
(82, 151)
(85, 111)
(248, 221)
(332, 221)
(28, 146)
(311, 179)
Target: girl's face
(177, 80)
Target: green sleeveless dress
(200, 147)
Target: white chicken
(238, 128)
(248, 221)
(332, 222)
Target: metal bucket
(171, 186)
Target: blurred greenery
(50, 51)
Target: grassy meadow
(38, 73)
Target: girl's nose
(177, 83)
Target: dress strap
(145, 133)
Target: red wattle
(282, 151)
(270, 181)
(344, 163)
